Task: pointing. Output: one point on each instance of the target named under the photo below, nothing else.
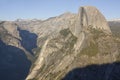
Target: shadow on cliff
(14, 64)
(29, 40)
(95, 72)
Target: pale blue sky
(42, 9)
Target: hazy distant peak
(88, 6)
(19, 20)
(118, 19)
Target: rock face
(8, 30)
(84, 39)
(92, 17)
(89, 16)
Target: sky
(43, 9)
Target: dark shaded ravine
(29, 40)
(95, 72)
(14, 64)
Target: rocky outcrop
(86, 39)
(9, 33)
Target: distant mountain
(115, 22)
(115, 26)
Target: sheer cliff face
(89, 16)
(86, 39)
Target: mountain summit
(89, 16)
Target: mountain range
(81, 46)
